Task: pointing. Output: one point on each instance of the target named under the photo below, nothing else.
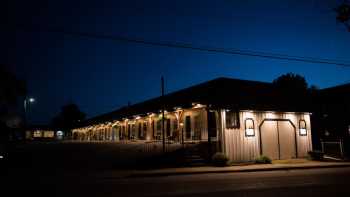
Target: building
(243, 119)
(332, 120)
(43, 132)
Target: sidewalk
(239, 168)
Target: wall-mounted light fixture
(197, 105)
(302, 128)
(249, 127)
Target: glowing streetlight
(26, 104)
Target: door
(278, 139)
(269, 139)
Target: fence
(334, 148)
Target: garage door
(278, 139)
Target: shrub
(316, 155)
(262, 159)
(219, 159)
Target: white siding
(241, 148)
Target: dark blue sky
(102, 75)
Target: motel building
(243, 119)
(43, 132)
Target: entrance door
(278, 139)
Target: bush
(219, 159)
(316, 155)
(263, 160)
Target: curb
(161, 174)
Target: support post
(209, 133)
(163, 103)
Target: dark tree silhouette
(291, 83)
(292, 90)
(68, 118)
(11, 88)
(343, 14)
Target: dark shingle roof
(217, 93)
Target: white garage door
(278, 139)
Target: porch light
(177, 109)
(249, 127)
(302, 128)
(197, 105)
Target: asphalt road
(314, 182)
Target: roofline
(177, 91)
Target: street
(320, 182)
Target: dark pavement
(317, 182)
(95, 170)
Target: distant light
(59, 133)
(1, 157)
(181, 124)
(137, 117)
(32, 100)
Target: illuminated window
(302, 128)
(49, 134)
(232, 119)
(37, 133)
(249, 127)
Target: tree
(343, 14)
(68, 118)
(291, 83)
(11, 88)
(292, 90)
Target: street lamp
(26, 103)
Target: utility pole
(163, 105)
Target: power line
(251, 53)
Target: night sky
(103, 75)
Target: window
(37, 133)
(188, 126)
(302, 128)
(249, 127)
(232, 119)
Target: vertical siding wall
(241, 148)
